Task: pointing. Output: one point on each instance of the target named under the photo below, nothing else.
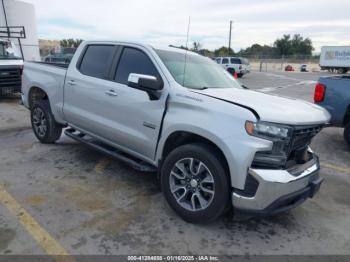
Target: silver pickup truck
(214, 144)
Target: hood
(272, 108)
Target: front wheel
(195, 183)
(45, 128)
(347, 133)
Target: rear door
(86, 102)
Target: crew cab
(212, 143)
(11, 64)
(237, 65)
(333, 93)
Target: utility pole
(229, 39)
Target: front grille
(10, 78)
(303, 135)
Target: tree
(70, 42)
(196, 46)
(223, 51)
(296, 45)
(284, 45)
(259, 51)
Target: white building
(18, 13)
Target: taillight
(320, 91)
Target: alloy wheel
(39, 122)
(192, 184)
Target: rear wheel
(347, 133)
(45, 128)
(195, 183)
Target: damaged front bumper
(273, 191)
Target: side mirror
(150, 84)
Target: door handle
(72, 83)
(111, 93)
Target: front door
(138, 118)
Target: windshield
(8, 51)
(199, 73)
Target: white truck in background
(335, 59)
(234, 65)
(11, 66)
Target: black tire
(347, 134)
(52, 131)
(219, 201)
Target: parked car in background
(335, 59)
(303, 68)
(288, 68)
(60, 56)
(11, 66)
(233, 65)
(212, 143)
(333, 93)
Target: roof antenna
(188, 32)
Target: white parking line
(300, 83)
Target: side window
(224, 61)
(97, 61)
(218, 60)
(236, 61)
(134, 61)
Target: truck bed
(45, 75)
(337, 98)
(65, 66)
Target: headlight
(267, 130)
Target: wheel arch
(35, 94)
(179, 138)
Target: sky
(164, 22)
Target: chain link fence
(271, 63)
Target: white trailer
(14, 13)
(335, 58)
